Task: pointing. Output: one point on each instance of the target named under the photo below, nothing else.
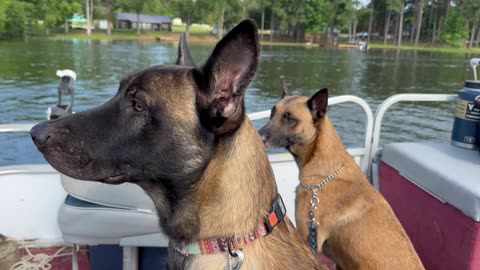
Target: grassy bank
(103, 36)
(132, 35)
(288, 44)
(194, 29)
(423, 47)
(199, 34)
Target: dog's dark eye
(288, 118)
(138, 107)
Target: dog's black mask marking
(160, 129)
(130, 137)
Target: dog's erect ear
(184, 56)
(225, 77)
(286, 90)
(318, 104)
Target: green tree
(297, 11)
(248, 5)
(455, 28)
(157, 7)
(400, 23)
(218, 9)
(137, 6)
(393, 6)
(419, 15)
(472, 13)
(263, 5)
(57, 12)
(290, 16)
(232, 17)
(185, 9)
(349, 17)
(338, 6)
(89, 12)
(3, 17)
(222, 12)
(317, 16)
(13, 18)
(370, 20)
(110, 8)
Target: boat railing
(361, 154)
(365, 155)
(4, 128)
(379, 114)
(24, 168)
(22, 127)
(27, 169)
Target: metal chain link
(315, 200)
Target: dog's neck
(326, 150)
(231, 196)
(237, 187)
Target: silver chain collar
(315, 200)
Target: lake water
(28, 84)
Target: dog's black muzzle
(40, 134)
(45, 131)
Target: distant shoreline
(157, 36)
(423, 47)
(206, 38)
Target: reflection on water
(28, 83)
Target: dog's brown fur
(357, 227)
(229, 201)
(180, 132)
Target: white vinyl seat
(83, 222)
(94, 213)
(126, 195)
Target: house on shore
(147, 22)
(78, 22)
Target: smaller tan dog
(352, 222)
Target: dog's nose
(40, 133)
(264, 135)
(265, 138)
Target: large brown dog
(180, 132)
(356, 226)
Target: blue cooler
(466, 130)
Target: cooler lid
(450, 173)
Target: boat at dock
(360, 45)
